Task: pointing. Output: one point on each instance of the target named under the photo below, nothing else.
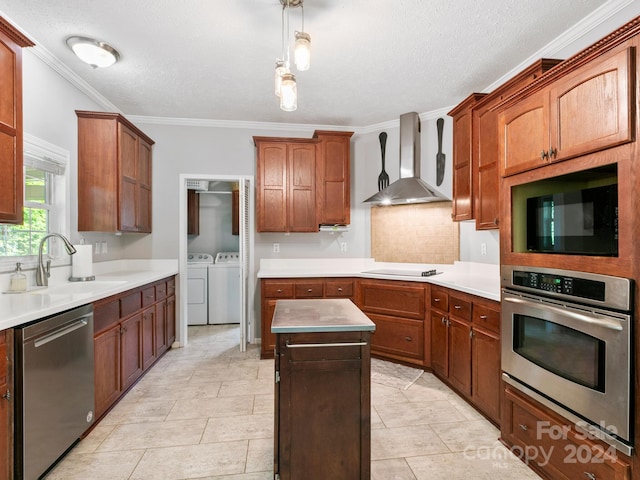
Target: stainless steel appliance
(54, 388)
(567, 343)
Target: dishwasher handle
(61, 332)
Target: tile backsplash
(419, 233)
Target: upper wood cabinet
(586, 110)
(303, 183)
(333, 184)
(485, 147)
(114, 174)
(462, 158)
(193, 212)
(12, 178)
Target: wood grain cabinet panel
(6, 403)
(193, 212)
(12, 178)
(584, 111)
(114, 174)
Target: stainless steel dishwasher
(54, 388)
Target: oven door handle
(593, 320)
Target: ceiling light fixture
(285, 81)
(91, 51)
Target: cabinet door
(12, 178)
(268, 338)
(160, 328)
(171, 320)
(131, 348)
(301, 195)
(271, 201)
(333, 179)
(485, 136)
(148, 337)
(460, 355)
(591, 109)
(398, 337)
(485, 361)
(143, 211)
(524, 134)
(127, 163)
(6, 403)
(462, 199)
(107, 356)
(439, 343)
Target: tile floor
(206, 412)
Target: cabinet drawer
(309, 289)
(440, 299)
(171, 286)
(105, 315)
(148, 296)
(460, 308)
(392, 298)
(339, 288)
(398, 336)
(161, 290)
(130, 303)
(278, 289)
(486, 317)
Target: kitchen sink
(72, 288)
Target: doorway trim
(247, 246)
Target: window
(45, 204)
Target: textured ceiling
(372, 60)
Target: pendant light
(288, 93)
(302, 52)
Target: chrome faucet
(42, 272)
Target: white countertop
(319, 315)
(480, 279)
(111, 278)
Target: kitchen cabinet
(485, 147)
(235, 212)
(584, 111)
(465, 346)
(6, 403)
(12, 179)
(555, 448)
(286, 185)
(334, 185)
(274, 289)
(131, 332)
(398, 309)
(193, 212)
(114, 174)
(323, 395)
(462, 157)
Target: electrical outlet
(98, 248)
(104, 246)
(343, 247)
(276, 248)
(483, 249)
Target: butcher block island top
(319, 315)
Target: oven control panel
(560, 284)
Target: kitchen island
(322, 390)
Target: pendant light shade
(288, 93)
(91, 51)
(302, 52)
(281, 69)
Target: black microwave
(577, 222)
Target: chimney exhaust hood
(410, 188)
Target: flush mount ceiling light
(91, 51)
(285, 81)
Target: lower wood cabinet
(465, 346)
(274, 289)
(398, 309)
(131, 331)
(6, 403)
(323, 407)
(555, 448)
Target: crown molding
(580, 29)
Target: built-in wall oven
(567, 342)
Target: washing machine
(198, 288)
(224, 288)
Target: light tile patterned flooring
(206, 412)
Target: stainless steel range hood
(410, 188)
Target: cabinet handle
(309, 290)
(590, 475)
(483, 317)
(436, 300)
(443, 320)
(496, 221)
(544, 155)
(7, 395)
(279, 291)
(524, 427)
(408, 339)
(553, 152)
(470, 333)
(457, 307)
(313, 345)
(339, 289)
